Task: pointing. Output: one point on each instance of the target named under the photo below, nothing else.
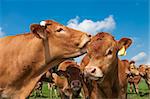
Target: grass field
(53, 94)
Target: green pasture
(53, 94)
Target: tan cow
(69, 80)
(123, 76)
(25, 57)
(147, 76)
(103, 65)
(134, 78)
(145, 73)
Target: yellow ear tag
(122, 51)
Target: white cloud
(87, 25)
(140, 56)
(1, 32)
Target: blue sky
(130, 18)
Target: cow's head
(66, 42)
(132, 68)
(73, 75)
(147, 71)
(103, 54)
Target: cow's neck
(34, 54)
(109, 84)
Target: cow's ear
(38, 31)
(61, 73)
(123, 44)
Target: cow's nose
(93, 71)
(76, 83)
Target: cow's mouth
(84, 40)
(95, 78)
(76, 88)
(79, 51)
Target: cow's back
(14, 56)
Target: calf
(69, 79)
(103, 65)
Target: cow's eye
(59, 30)
(109, 52)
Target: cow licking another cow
(101, 73)
(30, 55)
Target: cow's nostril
(89, 35)
(75, 83)
(93, 71)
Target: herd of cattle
(45, 54)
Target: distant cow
(103, 65)
(134, 78)
(145, 73)
(26, 57)
(69, 79)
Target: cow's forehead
(51, 22)
(102, 39)
(65, 64)
(102, 35)
(101, 42)
(73, 68)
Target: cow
(30, 55)
(123, 77)
(69, 80)
(134, 77)
(145, 73)
(103, 65)
(147, 76)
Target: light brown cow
(147, 76)
(134, 77)
(145, 73)
(123, 76)
(69, 79)
(103, 65)
(25, 57)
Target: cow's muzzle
(93, 73)
(76, 85)
(84, 40)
